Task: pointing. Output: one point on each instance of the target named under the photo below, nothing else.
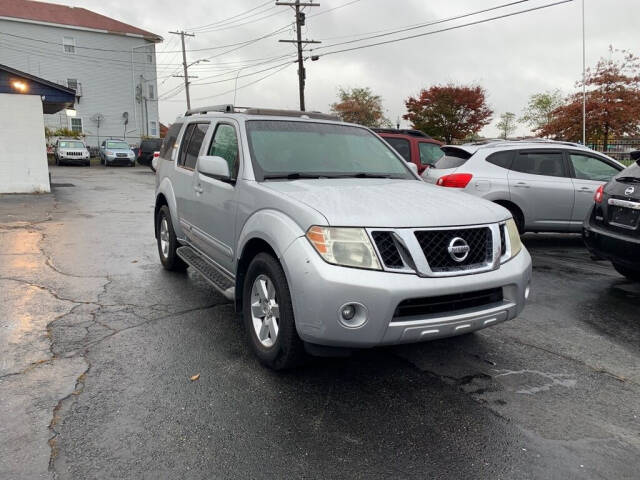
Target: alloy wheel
(265, 311)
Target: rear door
(539, 184)
(183, 178)
(589, 171)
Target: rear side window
(501, 159)
(401, 146)
(453, 158)
(549, 164)
(190, 157)
(170, 140)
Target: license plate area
(624, 217)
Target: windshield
(71, 144)
(281, 149)
(124, 145)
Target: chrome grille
(388, 250)
(435, 244)
(73, 154)
(122, 155)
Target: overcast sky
(512, 57)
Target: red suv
(413, 145)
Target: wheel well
(512, 207)
(160, 202)
(250, 250)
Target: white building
(111, 65)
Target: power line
(424, 25)
(236, 25)
(232, 17)
(243, 76)
(445, 29)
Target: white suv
(546, 185)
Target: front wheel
(167, 241)
(268, 315)
(631, 273)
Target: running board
(211, 272)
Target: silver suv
(325, 238)
(546, 185)
(71, 150)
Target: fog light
(352, 315)
(348, 312)
(527, 290)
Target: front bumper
(319, 290)
(73, 159)
(120, 160)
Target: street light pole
(584, 87)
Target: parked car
(71, 150)
(295, 216)
(546, 185)
(612, 227)
(413, 145)
(116, 152)
(147, 147)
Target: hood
(389, 203)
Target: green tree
(507, 124)
(360, 105)
(449, 111)
(539, 110)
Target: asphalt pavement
(98, 344)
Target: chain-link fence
(618, 148)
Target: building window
(152, 93)
(76, 124)
(69, 44)
(149, 58)
(153, 129)
(72, 83)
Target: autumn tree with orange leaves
(612, 103)
(449, 111)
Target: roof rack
(493, 141)
(402, 131)
(228, 108)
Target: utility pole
(300, 21)
(185, 67)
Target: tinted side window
(591, 168)
(430, 153)
(401, 146)
(501, 159)
(195, 142)
(539, 163)
(185, 143)
(225, 145)
(170, 140)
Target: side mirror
(215, 167)
(413, 167)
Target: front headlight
(349, 247)
(514, 237)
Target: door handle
(586, 190)
(522, 185)
(198, 189)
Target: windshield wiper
(292, 176)
(363, 175)
(628, 179)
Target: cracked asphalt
(97, 344)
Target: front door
(589, 172)
(540, 185)
(215, 200)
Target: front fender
(165, 188)
(272, 226)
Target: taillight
(455, 180)
(156, 154)
(599, 194)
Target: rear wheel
(167, 241)
(268, 315)
(631, 273)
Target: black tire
(630, 273)
(171, 261)
(517, 215)
(88, 164)
(288, 350)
